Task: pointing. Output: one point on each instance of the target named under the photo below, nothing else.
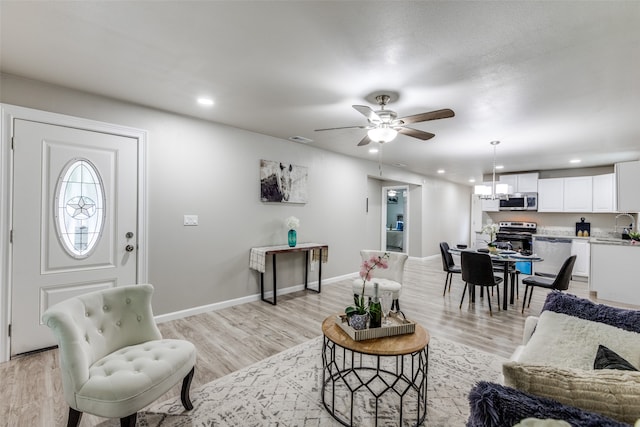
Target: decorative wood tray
(399, 326)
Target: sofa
(576, 353)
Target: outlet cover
(191, 220)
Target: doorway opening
(395, 218)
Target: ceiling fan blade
(368, 113)
(344, 127)
(420, 134)
(364, 141)
(432, 115)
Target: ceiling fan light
(382, 134)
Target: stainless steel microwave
(520, 202)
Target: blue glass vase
(293, 238)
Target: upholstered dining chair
(448, 265)
(477, 270)
(113, 359)
(559, 282)
(388, 279)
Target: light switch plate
(191, 220)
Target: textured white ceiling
(552, 80)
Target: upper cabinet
(551, 195)
(628, 177)
(521, 183)
(604, 193)
(577, 194)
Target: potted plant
(491, 230)
(358, 313)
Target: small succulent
(634, 235)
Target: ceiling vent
(300, 139)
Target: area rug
(285, 390)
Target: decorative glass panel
(79, 208)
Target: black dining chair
(477, 270)
(558, 283)
(448, 265)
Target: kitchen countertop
(614, 241)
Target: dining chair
(388, 279)
(558, 283)
(448, 265)
(514, 276)
(477, 270)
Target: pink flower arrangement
(376, 261)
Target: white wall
(211, 170)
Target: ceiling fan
(384, 125)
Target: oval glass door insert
(79, 208)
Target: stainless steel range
(517, 236)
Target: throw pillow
(613, 394)
(570, 342)
(609, 359)
(494, 405)
(561, 302)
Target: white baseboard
(243, 300)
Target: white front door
(74, 221)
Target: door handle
(129, 248)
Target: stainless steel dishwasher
(554, 251)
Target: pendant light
(496, 189)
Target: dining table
(506, 258)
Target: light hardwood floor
(235, 337)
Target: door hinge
(10, 236)
(9, 330)
(12, 142)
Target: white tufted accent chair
(388, 279)
(113, 359)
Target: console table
(258, 261)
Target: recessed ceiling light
(400, 165)
(373, 150)
(205, 101)
(472, 180)
(499, 166)
(440, 171)
(575, 161)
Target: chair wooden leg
(489, 300)
(530, 295)
(464, 291)
(184, 394)
(129, 421)
(74, 418)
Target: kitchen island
(614, 270)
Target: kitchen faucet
(626, 230)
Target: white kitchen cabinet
(578, 195)
(511, 181)
(604, 193)
(490, 205)
(613, 274)
(582, 250)
(628, 177)
(551, 195)
(521, 182)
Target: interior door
(74, 219)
